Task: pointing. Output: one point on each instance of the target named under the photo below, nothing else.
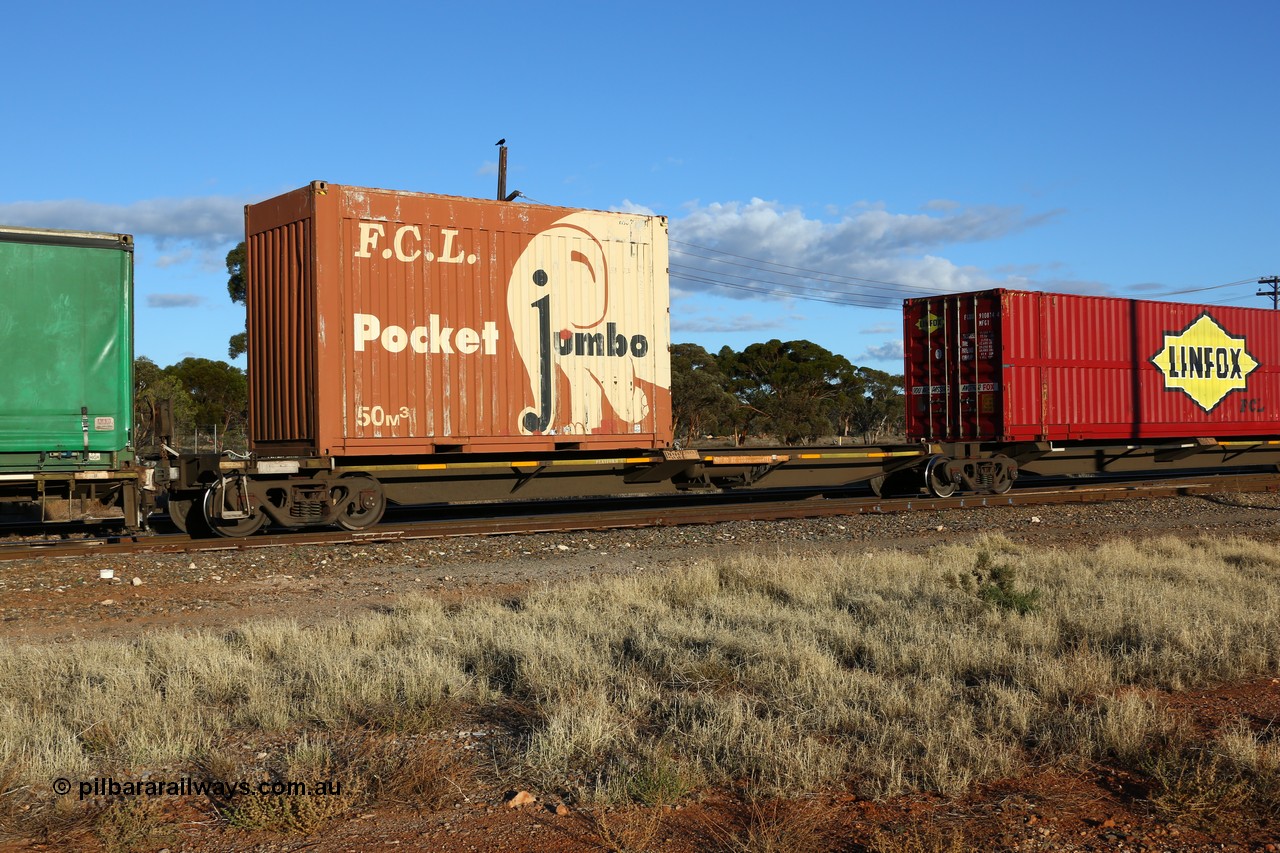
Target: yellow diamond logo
(1204, 362)
(928, 323)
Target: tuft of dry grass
(423, 774)
(919, 839)
(635, 830)
(775, 826)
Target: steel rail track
(639, 515)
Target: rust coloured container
(1008, 366)
(388, 323)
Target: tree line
(209, 398)
(795, 392)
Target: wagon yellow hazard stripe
(878, 454)
(761, 459)
(509, 463)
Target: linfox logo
(929, 323)
(1205, 362)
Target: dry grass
(883, 671)
(773, 826)
(920, 839)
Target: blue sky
(851, 151)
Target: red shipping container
(1008, 365)
(397, 323)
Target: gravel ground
(63, 598)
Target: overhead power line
(783, 286)
(1203, 289)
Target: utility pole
(502, 167)
(1274, 292)
(503, 195)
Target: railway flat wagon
(411, 348)
(1049, 380)
(66, 400)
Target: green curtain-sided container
(66, 350)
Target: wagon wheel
(179, 513)
(358, 502)
(187, 516)
(935, 478)
(230, 527)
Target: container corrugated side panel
(66, 340)
(1022, 388)
(1090, 353)
(408, 386)
(282, 338)
(1068, 367)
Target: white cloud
(629, 206)
(207, 221)
(888, 351)
(869, 256)
(174, 300)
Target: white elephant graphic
(570, 311)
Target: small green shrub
(996, 585)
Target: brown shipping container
(1009, 365)
(398, 323)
